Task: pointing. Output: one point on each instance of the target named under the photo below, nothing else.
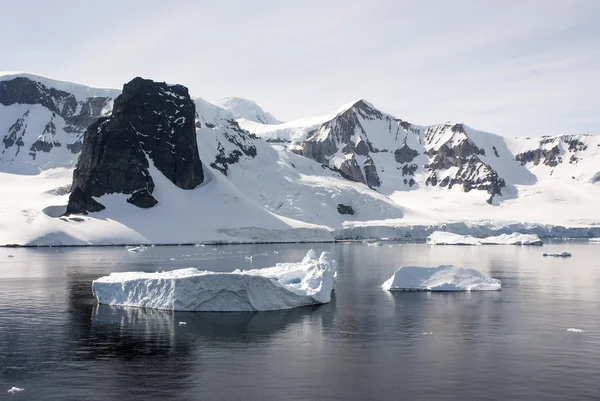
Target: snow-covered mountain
(42, 120)
(390, 155)
(247, 109)
(356, 172)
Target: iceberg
(441, 278)
(558, 255)
(596, 240)
(284, 286)
(446, 238)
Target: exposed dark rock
(535, 156)
(495, 151)
(405, 154)
(142, 199)
(411, 182)
(432, 179)
(350, 170)
(444, 183)
(79, 202)
(340, 134)
(344, 209)
(409, 169)
(150, 121)
(371, 173)
(78, 115)
(362, 148)
(242, 146)
(596, 178)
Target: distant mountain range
(356, 172)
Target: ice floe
(287, 285)
(14, 390)
(447, 238)
(574, 330)
(441, 278)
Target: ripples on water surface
(367, 344)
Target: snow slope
(248, 109)
(216, 207)
(284, 286)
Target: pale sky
(512, 67)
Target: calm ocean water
(367, 344)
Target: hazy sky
(514, 67)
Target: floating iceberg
(446, 238)
(558, 255)
(574, 330)
(596, 240)
(14, 390)
(442, 278)
(285, 286)
(140, 248)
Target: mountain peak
(246, 108)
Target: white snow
(284, 286)
(14, 390)
(280, 196)
(448, 238)
(558, 255)
(442, 278)
(248, 109)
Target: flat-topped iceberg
(596, 240)
(441, 278)
(285, 286)
(446, 238)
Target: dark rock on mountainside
(151, 121)
(77, 114)
(340, 135)
(404, 154)
(345, 209)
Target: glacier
(447, 238)
(284, 286)
(441, 278)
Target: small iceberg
(574, 330)
(442, 278)
(140, 248)
(285, 286)
(14, 390)
(595, 240)
(446, 238)
(558, 255)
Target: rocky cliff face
(42, 116)
(150, 122)
(343, 143)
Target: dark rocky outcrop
(345, 209)
(151, 121)
(404, 154)
(371, 176)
